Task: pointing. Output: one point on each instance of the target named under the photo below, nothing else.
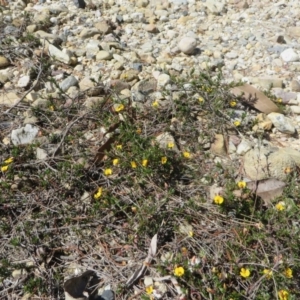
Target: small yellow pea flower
(119, 147)
(9, 160)
(145, 162)
(98, 194)
(149, 289)
(237, 123)
(218, 199)
(288, 273)
(164, 160)
(133, 165)
(191, 233)
(115, 161)
(4, 168)
(283, 295)
(155, 104)
(242, 184)
(107, 172)
(179, 271)
(232, 103)
(268, 273)
(201, 99)
(245, 272)
(119, 108)
(187, 154)
(134, 209)
(51, 108)
(280, 206)
(170, 145)
(279, 100)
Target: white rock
(289, 55)
(295, 109)
(187, 45)
(243, 147)
(163, 80)
(41, 154)
(282, 123)
(23, 81)
(24, 135)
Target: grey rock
(88, 32)
(59, 55)
(41, 154)
(40, 103)
(80, 3)
(146, 86)
(282, 123)
(295, 86)
(68, 82)
(24, 135)
(243, 147)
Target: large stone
(289, 55)
(282, 123)
(24, 135)
(270, 162)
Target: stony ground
(149, 148)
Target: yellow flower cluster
(283, 295)
(280, 206)
(245, 273)
(7, 162)
(98, 194)
(119, 108)
(268, 273)
(242, 184)
(218, 199)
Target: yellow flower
(218, 199)
(149, 289)
(139, 131)
(187, 154)
(268, 273)
(98, 194)
(4, 168)
(245, 272)
(145, 162)
(288, 273)
(164, 160)
(232, 103)
(9, 160)
(107, 172)
(242, 184)
(51, 107)
(237, 123)
(280, 206)
(179, 271)
(201, 99)
(119, 108)
(155, 104)
(283, 295)
(133, 165)
(119, 147)
(133, 209)
(170, 145)
(191, 233)
(279, 100)
(115, 161)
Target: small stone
(103, 55)
(163, 80)
(86, 84)
(103, 27)
(59, 55)
(23, 81)
(129, 75)
(40, 103)
(215, 6)
(88, 32)
(295, 86)
(187, 45)
(4, 62)
(68, 82)
(282, 123)
(289, 55)
(41, 154)
(243, 147)
(218, 145)
(294, 31)
(151, 28)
